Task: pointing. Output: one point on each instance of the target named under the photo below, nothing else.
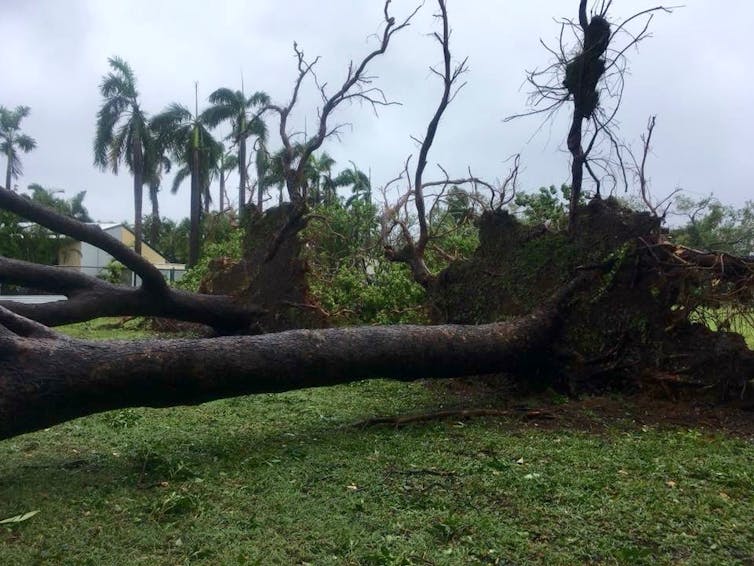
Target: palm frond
(227, 97)
(117, 147)
(259, 98)
(124, 72)
(215, 115)
(26, 143)
(181, 175)
(256, 127)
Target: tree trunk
(8, 171)
(46, 378)
(260, 191)
(196, 209)
(241, 177)
(222, 191)
(138, 192)
(577, 167)
(155, 227)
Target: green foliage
(172, 238)
(73, 207)
(549, 205)
(228, 244)
(349, 276)
(714, 226)
(115, 272)
(20, 239)
(122, 125)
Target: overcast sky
(694, 74)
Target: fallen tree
(89, 297)
(47, 378)
(610, 305)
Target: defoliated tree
(235, 107)
(123, 132)
(13, 141)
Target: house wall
(91, 260)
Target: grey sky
(694, 73)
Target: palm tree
(12, 140)
(193, 146)
(235, 107)
(361, 186)
(319, 173)
(123, 132)
(156, 165)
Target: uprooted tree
(592, 79)
(610, 304)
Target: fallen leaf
(19, 518)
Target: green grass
(108, 329)
(279, 479)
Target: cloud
(694, 78)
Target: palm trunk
(154, 235)
(222, 190)
(196, 209)
(242, 177)
(8, 172)
(138, 193)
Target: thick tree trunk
(46, 378)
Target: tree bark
(155, 227)
(90, 298)
(46, 378)
(577, 166)
(8, 170)
(138, 192)
(241, 177)
(222, 191)
(196, 209)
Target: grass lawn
(283, 479)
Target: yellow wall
(127, 237)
